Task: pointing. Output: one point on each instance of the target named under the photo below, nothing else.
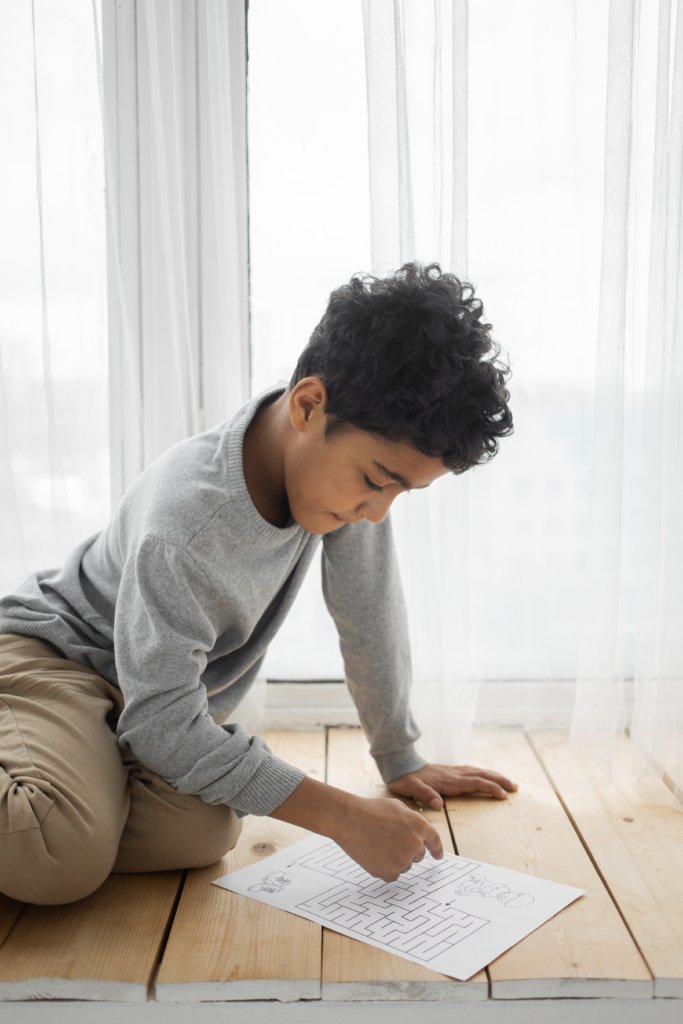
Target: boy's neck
(262, 462)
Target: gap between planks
(352, 969)
(103, 947)
(634, 831)
(225, 946)
(595, 860)
(585, 950)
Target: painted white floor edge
(536, 1011)
(238, 991)
(573, 988)
(48, 989)
(404, 991)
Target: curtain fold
(634, 598)
(657, 722)
(392, 233)
(416, 72)
(175, 108)
(598, 708)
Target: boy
(116, 670)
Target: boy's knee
(62, 884)
(200, 836)
(218, 839)
(60, 877)
(49, 852)
(168, 830)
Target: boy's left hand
(429, 784)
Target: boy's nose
(377, 509)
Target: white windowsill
(533, 704)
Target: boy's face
(351, 475)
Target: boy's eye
(373, 486)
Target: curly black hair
(408, 358)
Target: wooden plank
(353, 970)
(585, 950)
(635, 835)
(103, 947)
(224, 946)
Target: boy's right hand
(381, 834)
(386, 838)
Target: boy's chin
(320, 523)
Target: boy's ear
(307, 403)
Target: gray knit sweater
(178, 598)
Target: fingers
(486, 773)
(389, 838)
(433, 843)
(438, 780)
(474, 781)
(427, 840)
(477, 785)
(426, 795)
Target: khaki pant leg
(63, 789)
(75, 804)
(167, 830)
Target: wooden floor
(172, 945)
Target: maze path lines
(410, 915)
(452, 916)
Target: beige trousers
(73, 808)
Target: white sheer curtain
(175, 116)
(567, 184)
(416, 60)
(533, 148)
(658, 719)
(503, 183)
(123, 325)
(54, 445)
(634, 595)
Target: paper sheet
(453, 915)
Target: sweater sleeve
(163, 632)
(362, 590)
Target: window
(537, 89)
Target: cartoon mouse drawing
(274, 882)
(477, 885)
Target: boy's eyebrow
(397, 477)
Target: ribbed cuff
(270, 785)
(399, 762)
